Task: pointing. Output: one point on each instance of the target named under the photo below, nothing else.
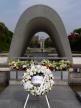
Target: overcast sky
(69, 11)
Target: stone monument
(35, 19)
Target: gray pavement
(59, 97)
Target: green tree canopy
(34, 42)
(77, 31)
(5, 37)
(75, 40)
(49, 43)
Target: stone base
(15, 82)
(4, 77)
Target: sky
(69, 11)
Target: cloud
(69, 11)
(9, 13)
(59, 5)
(52, 3)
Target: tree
(5, 37)
(77, 31)
(49, 43)
(34, 42)
(75, 41)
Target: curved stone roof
(39, 18)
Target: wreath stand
(45, 97)
(27, 98)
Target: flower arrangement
(19, 65)
(57, 65)
(52, 65)
(47, 63)
(38, 80)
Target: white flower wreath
(38, 80)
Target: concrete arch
(39, 18)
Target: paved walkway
(60, 97)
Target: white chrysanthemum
(24, 66)
(28, 85)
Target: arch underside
(35, 19)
